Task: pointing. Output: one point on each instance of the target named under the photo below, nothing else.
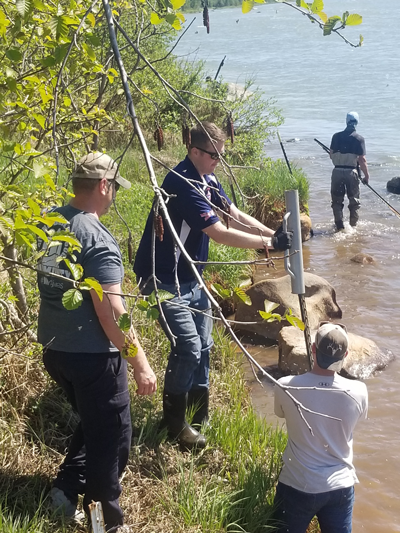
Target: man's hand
(365, 180)
(282, 240)
(145, 379)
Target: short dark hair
(84, 184)
(199, 137)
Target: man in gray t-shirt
(82, 347)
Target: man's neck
(322, 371)
(84, 203)
(195, 166)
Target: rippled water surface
(315, 81)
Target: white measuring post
(96, 517)
(294, 262)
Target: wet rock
(363, 259)
(320, 301)
(393, 185)
(363, 360)
(306, 227)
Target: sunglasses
(116, 184)
(323, 322)
(214, 155)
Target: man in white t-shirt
(318, 475)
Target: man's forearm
(236, 238)
(248, 224)
(363, 166)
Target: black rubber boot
(175, 421)
(198, 400)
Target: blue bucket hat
(352, 118)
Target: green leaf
(66, 237)
(266, 316)
(23, 7)
(241, 295)
(317, 6)
(152, 299)
(91, 19)
(89, 50)
(124, 322)
(11, 84)
(19, 223)
(38, 169)
(304, 5)
(270, 306)
(72, 299)
(60, 52)
(52, 218)
(165, 295)
(34, 206)
(14, 54)
(75, 268)
(129, 351)
(155, 19)
(153, 313)
(323, 17)
(174, 21)
(296, 322)
(177, 4)
(91, 283)
(247, 6)
(40, 119)
(353, 20)
(59, 27)
(330, 24)
(22, 239)
(37, 231)
(219, 289)
(143, 305)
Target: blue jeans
(295, 509)
(96, 385)
(189, 360)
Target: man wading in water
(347, 154)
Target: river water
(316, 80)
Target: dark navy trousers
(96, 385)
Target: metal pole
(294, 262)
(96, 517)
(284, 153)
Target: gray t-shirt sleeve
(103, 262)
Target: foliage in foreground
(227, 487)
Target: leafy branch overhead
(315, 12)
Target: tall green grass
(273, 179)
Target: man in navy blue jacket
(195, 200)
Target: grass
(228, 487)
(265, 189)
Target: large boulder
(320, 302)
(393, 185)
(364, 357)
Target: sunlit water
(315, 81)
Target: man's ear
(313, 348)
(103, 186)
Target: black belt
(345, 166)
